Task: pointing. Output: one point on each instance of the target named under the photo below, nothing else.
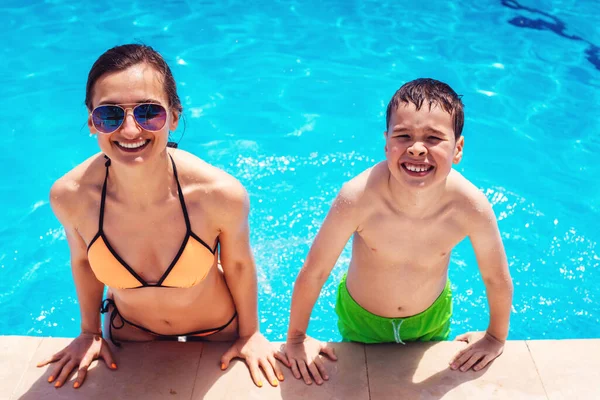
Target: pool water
(290, 98)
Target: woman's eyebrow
(139, 101)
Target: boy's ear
(385, 137)
(458, 150)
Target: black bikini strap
(103, 199)
(106, 303)
(188, 225)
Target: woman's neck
(143, 185)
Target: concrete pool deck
(532, 369)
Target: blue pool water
(290, 98)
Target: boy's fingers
(268, 370)
(281, 356)
(276, 368)
(315, 373)
(329, 352)
(295, 369)
(483, 362)
(321, 367)
(461, 358)
(471, 361)
(304, 372)
(463, 338)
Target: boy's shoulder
(467, 197)
(366, 185)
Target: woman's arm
(89, 345)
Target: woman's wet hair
(434, 93)
(120, 58)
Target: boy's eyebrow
(400, 129)
(434, 131)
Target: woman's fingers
(276, 367)
(52, 359)
(255, 372)
(226, 358)
(107, 356)
(58, 367)
(64, 373)
(268, 369)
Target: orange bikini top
(189, 267)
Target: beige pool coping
(531, 369)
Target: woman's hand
(483, 348)
(258, 353)
(79, 354)
(303, 354)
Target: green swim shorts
(359, 325)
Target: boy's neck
(417, 202)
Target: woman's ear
(175, 115)
(458, 150)
(90, 125)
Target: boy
(406, 215)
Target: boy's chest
(411, 240)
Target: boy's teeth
(415, 168)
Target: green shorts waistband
(359, 325)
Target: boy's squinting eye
(434, 138)
(403, 136)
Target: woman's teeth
(133, 145)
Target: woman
(151, 223)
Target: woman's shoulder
(77, 187)
(202, 180)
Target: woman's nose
(130, 128)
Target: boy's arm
(341, 222)
(491, 259)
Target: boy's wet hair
(120, 58)
(434, 93)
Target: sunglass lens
(151, 117)
(108, 119)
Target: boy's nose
(417, 150)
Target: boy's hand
(483, 348)
(258, 353)
(303, 353)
